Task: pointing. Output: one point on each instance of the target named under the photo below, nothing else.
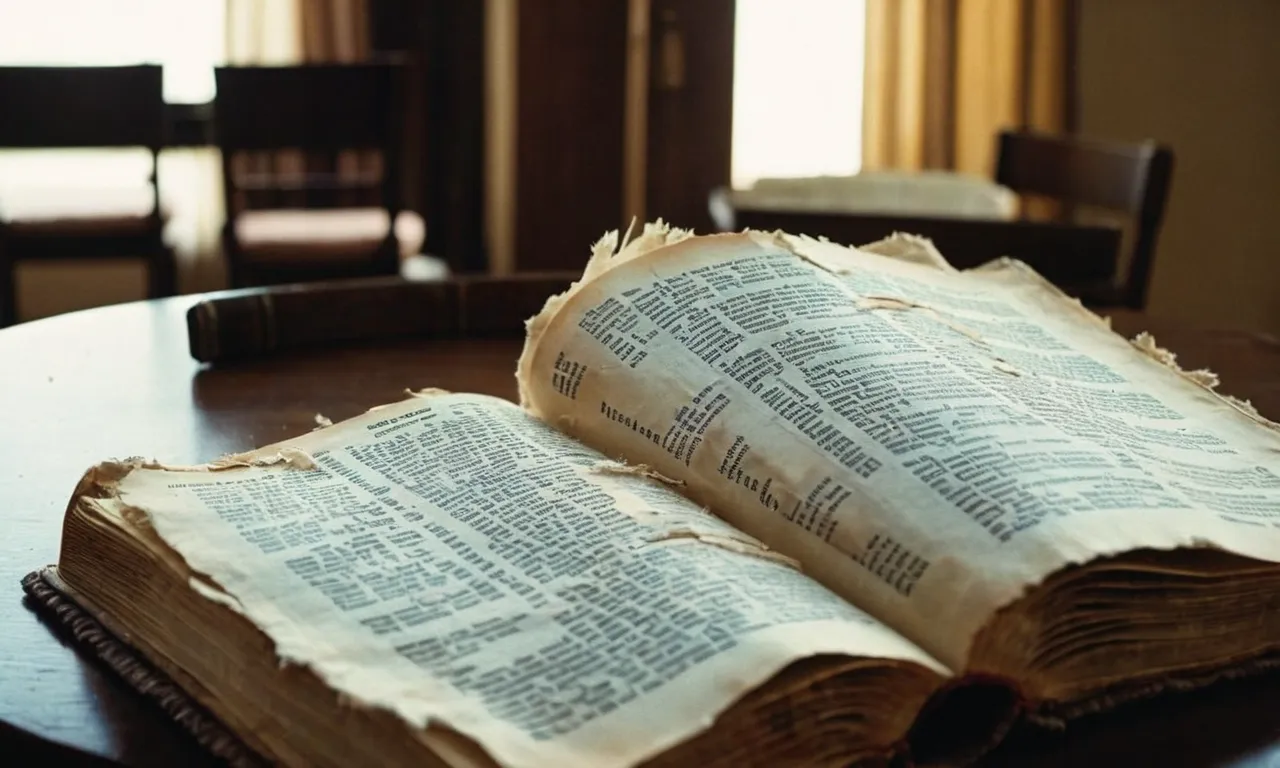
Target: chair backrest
(322, 107)
(319, 109)
(1076, 258)
(1129, 178)
(64, 107)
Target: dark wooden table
(119, 381)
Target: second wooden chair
(1083, 259)
(314, 223)
(1131, 179)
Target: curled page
(928, 443)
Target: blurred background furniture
(83, 107)
(514, 109)
(971, 220)
(336, 211)
(1125, 178)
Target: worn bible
(764, 500)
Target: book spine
(259, 322)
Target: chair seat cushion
(81, 226)
(328, 235)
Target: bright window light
(186, 37)
(797, 91)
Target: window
(797, 92)
(186, 37)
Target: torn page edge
(286, 455)
(109, 473)
(1005, 367)
(606, 253)
(686, 533)
(611, 467)
(664, 529)
(205, 587)
(896, 303)
(907, 247)
(102, 480)
(1088, 315)
(899, 246)
(609, 252)
(426, 392)
(1146, 344)
(891, 302)
(100, 488)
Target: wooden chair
(1076, 258)
(84, 107)
(314, 225)
(1131, 179)
(1081, 259)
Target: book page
(455, 561)
(928, 443)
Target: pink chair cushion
(342, 234)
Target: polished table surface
(119, 381)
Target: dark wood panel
(444, 149)
(691, 120)
(571, 59)
(312, 107)
(452, 103)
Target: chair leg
(162, 277)
(231, 257)
(8, 292)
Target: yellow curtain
(943, 77)
(296, 31)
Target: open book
(766, 500)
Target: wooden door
(598, 112)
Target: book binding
(90, 637)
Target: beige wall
(1202, 76)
